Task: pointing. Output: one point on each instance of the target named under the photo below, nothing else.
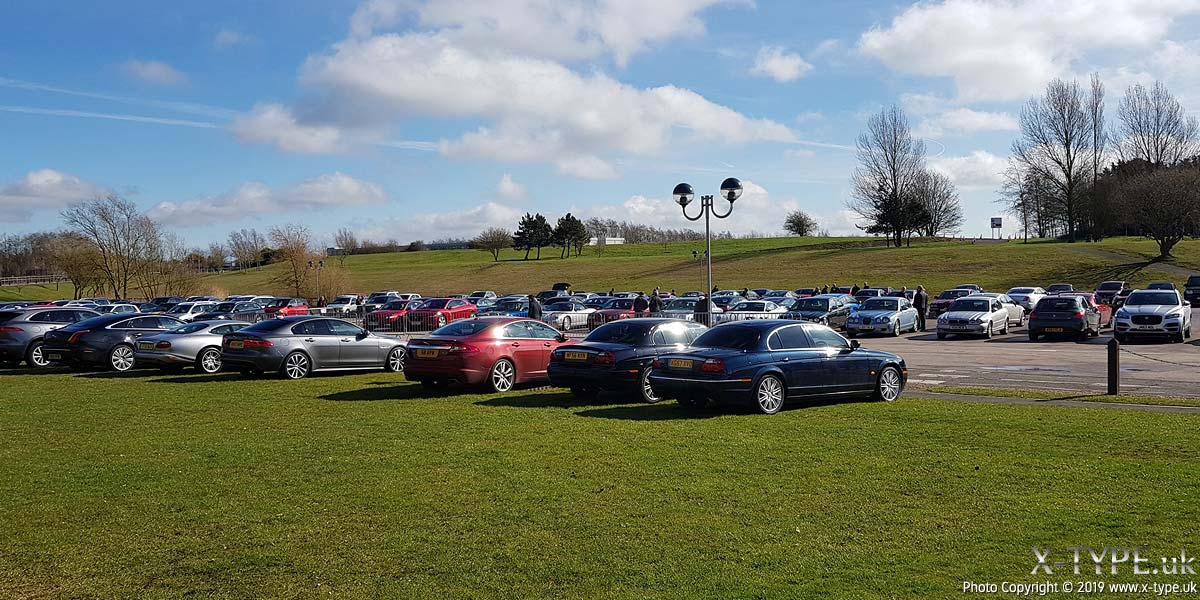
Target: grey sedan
(297, 346)
(22, 332)
(197, 344)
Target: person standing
(701, 312)
(854, 290)
(656, 305)
(921, 303)
(640, 304)
(535, 308)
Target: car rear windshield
(512, 305)
(730, 336)
(398, 305)
(620, 333)
(560, 306)
(1152, 299)
(378, 298)
(267, 326)
(682, 304)
(463, 328)
(1193, 281)
(812, 304)
(224, 307)
(8, 316)
(1062, 303)
(1021, 291)
(1110, 285)
(749, 306)
(879, 304)
(971, 305)
(189, 328)
(952, 294)
(619, 303)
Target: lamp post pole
(731, 190)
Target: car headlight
(1121, 314)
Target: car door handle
(547, 344)
(345, 339)
(309, 340)
(785, 359)
(516, 344)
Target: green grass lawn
(360, 486)
(1052, 395)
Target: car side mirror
(855, 345)
(561, 338)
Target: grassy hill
(770, 262)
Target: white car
(347, 303)
(186, 311)
(1027, 297)
(483, 294)
(751, 309)
(116, 309)
(1016, 312)
(408, 296)
(973, 315)
(685, 308)
(566, 313)
(1154, 313)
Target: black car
(826, 309)
(1065, 315)
(1191, 289)
(764, 362)
(106, 341)
(617, 355)
(165, 303)
(250, 312)
(1112, 293)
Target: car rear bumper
(1048, 327)
(416, 370)
(12, 349)
(592, 377)
(238, 362)
(73, 354)
(673, 386)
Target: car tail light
(74, 339)
(11, 330)
(713, 365)
(461, 348)
(256, 343)
(163, 345)
(1078, 314)
(1032, 315)
(555, 357)
(604, 358)
(657, 364)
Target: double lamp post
(731, 190)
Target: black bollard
(1114, 367)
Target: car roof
(220, 322)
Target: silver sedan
(195, 344)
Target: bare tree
(1055, 145)
(891, 163)
(1155, 127)
(1164, 205)
(942, 209)
(293, 246)
(246, 245)
(122, 237)
(492, 241)
(76, 258)
(347, 242)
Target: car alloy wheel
(395, 360)
(896, 329)
(769, 395)
(888, 387)
(36, 357)
(988, 334)
(295, 366)
(121, 358)
(441, 320)
(648, 395)
(209, 360)
(503, 376)
(566, 324)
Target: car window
(880, 304)
(517, 330)
(343, 328)
(824, 337)
(730, 336)
(543, 331)
(792, 337)
(53, 316)
(671, 334)
(1152, 298)
(189, 328)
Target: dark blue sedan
(617, 355)
(766, 362)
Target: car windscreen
(1062, 303)
(463, 328)
(952, 294)
(344, 299)
(560, 307)
(435, 304)
(1161, 285)
(1020, 291)
(619, 304)
(223, 307)
(1193, 281)
(1152, 299)
(879, 304)
(820, 304)
(730, 336)
(398, 305)
(511, 305)
(682, 304)
(971, 305)
(279, 303)
(748, 307)
(189, 328)
(180, 309)
(378, 298)
(618, 332)
(1110, 285)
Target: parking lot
(1012, 361)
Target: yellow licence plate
(576, 355)
(427, 353)
(679, 363)
(145, 346)
(237, 344)
(1054, 330)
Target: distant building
(334, 251)
(608, 241)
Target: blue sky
(411, 119)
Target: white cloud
(556, 29)
(959, 121)
(1008, 50)
(798, 153)
(275, 124)
(979, 169)
(45, 189)
(539, 110)
(228, 38)
(755, 212)
(587, 167)
(507, 188)
(153, 71)
(431, 226)
(774, 62)
(252, 199)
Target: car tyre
(209, 360)
(295, 366)
(645, 389)
(1033, 337)
(1004, 331)
(988, 333)
(941, 335)
(889, 384)
(441, 320)
(896, 329)
(35, 356)
(395, 360)
(566, 324)
(120, 358)
(769, 395)
(502, 377)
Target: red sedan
(1106, 311)
(390, 316)
(287, 307)
(496, 352)
(617, 308)
(435, 312)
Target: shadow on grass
(134, 374)
(16, 371)
(551, 399)
(380, 391)
(672, 411)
